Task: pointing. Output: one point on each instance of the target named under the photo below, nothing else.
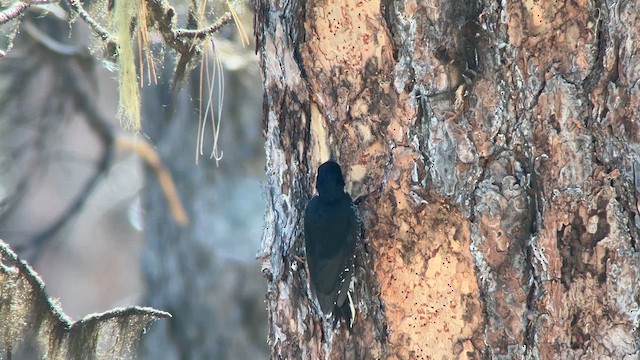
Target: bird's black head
(330, 183)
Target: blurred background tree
(101, 229)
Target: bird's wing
(331, 233)
(327, 284)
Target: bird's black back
(331, 232)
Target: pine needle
(216, 128)
(144, 45)
(243, 34)
(216, 74)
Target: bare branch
(164, 17)
(76, 6)
(202, 33)
(13, 11)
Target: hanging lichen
(129, 103)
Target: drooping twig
(75, 206)
(49, 42)
(150, 156)
(81, 91)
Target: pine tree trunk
(495, 150)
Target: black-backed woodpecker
(331, 230)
